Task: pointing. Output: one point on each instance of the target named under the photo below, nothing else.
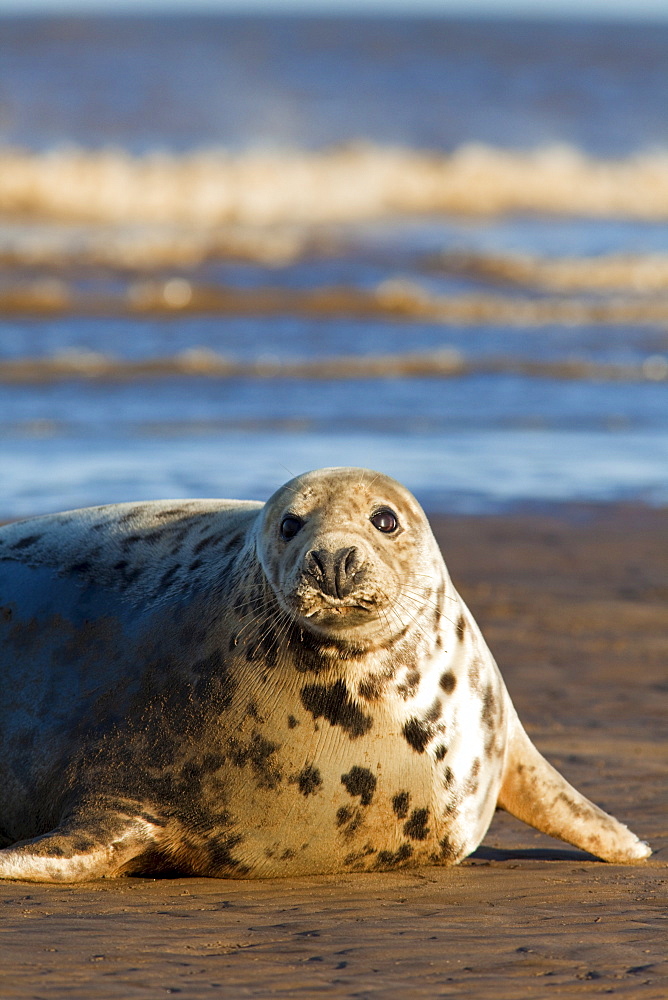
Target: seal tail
(534, 792)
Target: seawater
(308, 154)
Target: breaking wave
(347, 183)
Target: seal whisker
(417, 624)
(420, 601)
(369, 485)
(279, 618)
(392, 609)
(273, 616)
(430, 578)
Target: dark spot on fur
(360, 781)
(81, 567)
(312, 654)
(475, 768)
(400, 803)
(448, 850)
(488, 714)
(164, 515)
(292, 722)
(309, 780)
(417, 734)
(371, 687)
(195, 564)
(448, 681)
(460, 627)
(488, 711)
(441, 751)
(168, 576)
(416, 827)
(6, 614)
(53, 851)
(410, 685)
(287, 854)
(258, 753)
(243, 604)
(334, 704)
(214, 692)
(448, 776)
(269, 648)
(356, 858)
(471, 786)
(130, 515)
(343, 815)
(210, 762)
(394, 638)
(219, 848)
(82, 844)
(389, 859)
(128, 576)
(234, 540)
(130, 540)
(577, 809)
(206, 542)
(179, 534)
(24, 543)
(348, 821)
(215, 686)
(253, 652)
(433, 713)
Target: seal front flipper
(78, 853)
(533, 791)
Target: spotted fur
(188, 689)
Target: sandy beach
(573, 604)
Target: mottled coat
(234, 689)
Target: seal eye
(385, 520)
(290, 525)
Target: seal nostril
(350, 562)
(347, 562)
(315, 559)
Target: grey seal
(232, 689)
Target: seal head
(340, 548)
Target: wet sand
(573, 605)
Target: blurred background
(239, 243)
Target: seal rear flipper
(74, 854)
(533, 791)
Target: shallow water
(504, 307)
(184, 82)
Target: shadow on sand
(531, 854)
